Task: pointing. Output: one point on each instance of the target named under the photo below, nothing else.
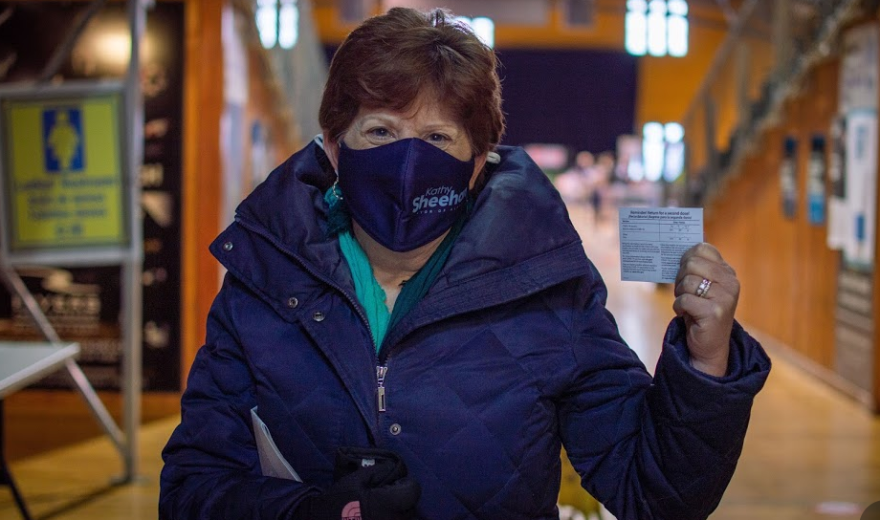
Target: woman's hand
(708, 318)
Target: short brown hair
(391, 59)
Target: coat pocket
(272, 462)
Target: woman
(417, 335)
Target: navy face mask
(404, 194)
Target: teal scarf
(368, 291)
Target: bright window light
(673, 132)
(278, 23)
(674, 161)
(267, 22)
(653, 147)
(637, 6)
(657, 27)
(677, 7)
(678, 35)
(653, 132)
(288, 26)
(652, 154)
(485, 30)
(662, 151)
(483, 27)
(636, 33)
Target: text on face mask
(442, 197)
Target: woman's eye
(438, 139)
(379, 132)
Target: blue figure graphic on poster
(63, 140)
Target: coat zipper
(381, 372)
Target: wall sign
(61, 170)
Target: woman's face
(426, 120)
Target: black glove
(369, 484)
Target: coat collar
(289, 205)
(504, 260)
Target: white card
(652, 241)
(272, 462)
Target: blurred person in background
(574, 184)
(409, 326)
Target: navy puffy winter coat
(510, 354)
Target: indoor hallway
(810, 452)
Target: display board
(62, 187)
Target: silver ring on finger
(703, 288)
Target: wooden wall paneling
(667, 86)
(824, 276)
(814, 284)
(734, 252)
(797, 261)
(766, 213)
(203, 104)
(761, 245)
(782, 244)
(760, 180)
(798, 115)
(788, 274)
(742, 238)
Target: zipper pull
(380, 377)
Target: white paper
(272, 462)
(840, 223)
(861, 186)
(652, 241)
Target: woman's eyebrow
(383, 118)
(446, 127)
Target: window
(652, 151)
(677, 28)
(483, 27)
(267, 22)
(278, 23)
(657, 27)
(673, 165)
(662, 152)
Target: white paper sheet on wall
(861, 186)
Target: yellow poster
(63, 170)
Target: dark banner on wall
(585, 98)
(788, 183)
(84, 303)
(816, 190)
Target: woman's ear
(479, 164)
(331, 149)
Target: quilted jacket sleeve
(654, 449)
(212, 469)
